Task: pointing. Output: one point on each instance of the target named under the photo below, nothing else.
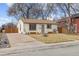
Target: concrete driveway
(17, 39)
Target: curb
(59, 45)
(41, 47)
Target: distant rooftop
(75, 15)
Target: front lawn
(55, 38)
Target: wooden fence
(11, 30)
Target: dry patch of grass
(55, 38)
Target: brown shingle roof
(36, 21)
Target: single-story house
(27, 26)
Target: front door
(42, 28)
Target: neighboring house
(74, 20)
(61, 27)
(26, 26)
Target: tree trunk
(28, 13)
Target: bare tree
(43, 10)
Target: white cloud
(9, 4)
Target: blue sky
(4, 18)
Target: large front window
(49, 26)
(32, 26)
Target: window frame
(49, 26)
(32, 27)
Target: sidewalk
(32, 48)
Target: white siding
(54, 27)
(20, 27)
(45, 28)
(38, 27)
(26, 28)
(49, 30)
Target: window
(49, 26)
(32, 26)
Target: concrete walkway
(16, 39)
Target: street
(23, 51)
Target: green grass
(55, 38)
